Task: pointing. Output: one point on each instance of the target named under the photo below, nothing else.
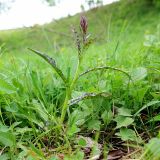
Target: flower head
(84, 24)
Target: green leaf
(123, 121)
(38, 152)
(107, 116)
(124, 112)
(77, 117)
(15, 124)
(96, 152)
(6, 87)
(31, 117)
(72, 130)
(40, 110)
(88, 96)
(155, 118)
(146, 106)
(79, 155)
(7, 139)
(139, 74)
(139, 93)
(4, 128)
(23, 130)
(104, 68)
(127, 134)
(94, 125)
(82, 142)
(53, 158)
(4, 157)
(22, 155)
(153, 148)
(12, 107)
(52, 62)
(31, 158)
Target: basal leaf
(82, 142)
(123, 121)
(127, 134)
(4, 128)
(94, 125)
(52, 62)
(12, 107)
(8, 139)
(6, 87)
(37, 151)
(124, 112)
(4, 157)
(139, 74)
(153, 148)
(72, 130)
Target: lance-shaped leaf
(52, 62)
(88, 96)
(104, 68)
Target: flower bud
(84, 24)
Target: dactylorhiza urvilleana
(84, 27)
(83, 41)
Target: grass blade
(145, 106)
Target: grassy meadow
(96, 102)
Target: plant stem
(75, 76)
(65, 106)
(69, 93)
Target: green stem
(65, 106)
(75, 76)
(69, 92)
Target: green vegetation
(90, 100)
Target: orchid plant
(82, 42)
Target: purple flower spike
(84, 24)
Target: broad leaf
(37, 151)
(124, 112)
(82, 142)
(79, 155)
(4, 157)
(94, 125)
(153, 148)
(139, 74)
(4, 128)
(96, 152)
(7, 139)
(123, 121)
(6, 87)
(72, 130)
(12, 107)
(127, 134)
